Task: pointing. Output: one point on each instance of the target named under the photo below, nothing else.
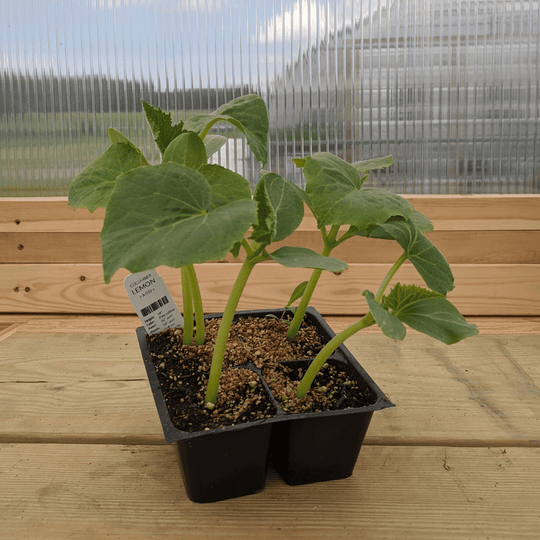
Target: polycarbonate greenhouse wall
(450, 88)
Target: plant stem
(197, 304)
(224, 327)
(327, 350)
(206, 129)
(389, 276)
(304, 302)
(329, 243)
(187, 302)
(334, 343)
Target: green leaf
(247, 113)
(161, 125)
(187, 149)
(162, 215)
(226, 185)
(235, 250)
(264, 229)
(299, 257)
(297, 293)
(119, 138)
(286, 202)
(388, 323)
(373, 164)
(93, 186)
(429, 313)
(299, 162)
(213, 143)
(334, 188)
(423, 224)
(426, 258)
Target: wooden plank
(56, 288)
(92, 387)
(490, 247)
(46, 214)
(48, 247)
(482, 212)
(96, 324)
(126, 324)
(481, 390)
(135, 492)
(522, 211)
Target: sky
(172, 42)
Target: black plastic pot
(217, 464)
(316, 447)
(310, 447)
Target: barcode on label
(154, 305)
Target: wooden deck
(82, 454)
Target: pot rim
(341, 355)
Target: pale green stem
(389, 276)
(206, 129)
(334, 343)
(327, 350)
(187, 302)
(223, 332)
(310, 287)
(303, 305)
(197, 304)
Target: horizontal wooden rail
(50, 260)
(66, 288)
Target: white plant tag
(153, 301)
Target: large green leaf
(187, 149)
(163, 215)
(286, 202)
(213, 143)
(423, 224)
(426, 258)
(161, 125)
(226, 185)
(373, 164)
(334, 188)
(388, 323)
(93, 186)
(248, 114)
(429, 313)
(299, 257)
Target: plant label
(152, 301)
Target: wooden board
(50, 255)
(491, 247)
(126, 324)
(481, 212)
(480, 289)
(135, 492)
(74, 387)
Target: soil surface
(183, 374)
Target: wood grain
(92, 387)
(488, 212)
(135, 492)
(472, 247)
(480, 289)
(126, 324)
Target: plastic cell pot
(321, 446)
(217, 464)
(232, 461)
